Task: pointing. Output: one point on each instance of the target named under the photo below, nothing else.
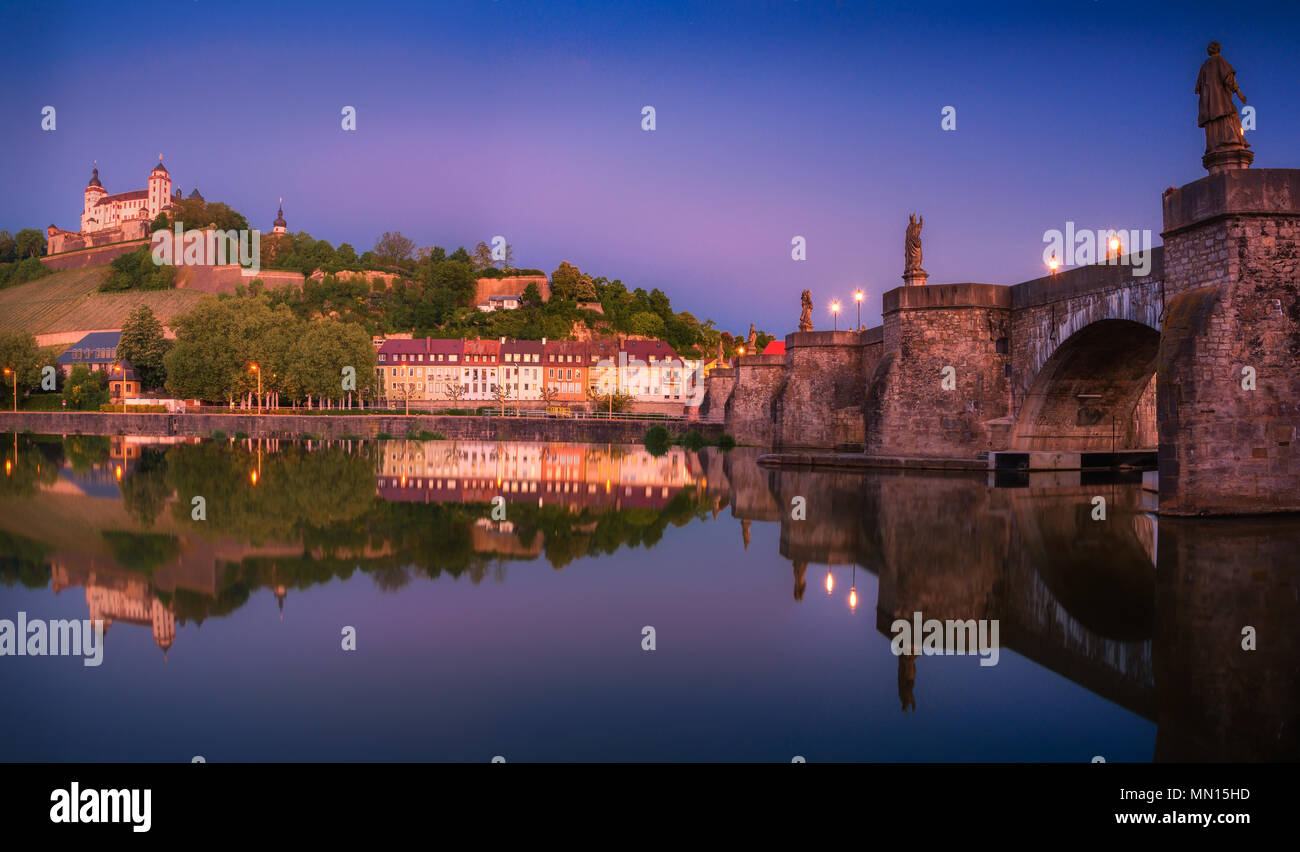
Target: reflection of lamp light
(9, 467)
(252, 477)
(117, 473)
(853, 589)
(830, 582)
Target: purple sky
(774, 119)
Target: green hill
(70, 301)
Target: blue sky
(774, 119)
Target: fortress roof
(123, 196)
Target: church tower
(160, 189)
(90, 218)
(280, 226)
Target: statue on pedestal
(913, 274)
(1225, 141)
(752, 346)
(805, 318)
(719, 351)
(912, 244)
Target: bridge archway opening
(1095, 393)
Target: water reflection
(1152, 626)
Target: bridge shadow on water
(1154, 614)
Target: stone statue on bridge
(912, 245)
(913, 274)
(805, 318)
(1225, 141)
(719, 351)
(752, 345)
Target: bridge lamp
(1114, 245)
(857, 297)
(1053, 264)
(835, 312)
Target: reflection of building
(574, 475)
(122, 598)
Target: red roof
(776, 347)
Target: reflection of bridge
(1077, 596)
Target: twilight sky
(774, 119)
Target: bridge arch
(1094, 392)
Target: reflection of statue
(805, 318)
(1216, 84)
(744, 532)
(800, 568)
(753, 341)
(912, 245)
(906, 679)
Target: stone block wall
(750, 415)
(1232, 268)
(820, 399)
(907, 410)
(717, 389)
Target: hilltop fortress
(123, 217)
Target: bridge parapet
(1228, 389)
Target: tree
(483, 257)
(647, 324)
(455, 391)
(144, 345)
(501, 394)
(86, 390)
(29, 242)
(18, 352)
(532, 297)
(392, 248)
(137, 271)
(568, 282)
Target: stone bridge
(1195, 359)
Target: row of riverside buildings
(570, 371)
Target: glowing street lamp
(858, 297)
(1114, 247)
(835, 312)
(1053, 264)
(253, 368)
(14, 373)
(117, 368)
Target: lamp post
(253, 368)
(117, 368)
(835, 312)
(14, 373)
(1053, 264)
(857, 297)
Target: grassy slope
(69, 301)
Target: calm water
(522, 638)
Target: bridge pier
(1228, 369)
